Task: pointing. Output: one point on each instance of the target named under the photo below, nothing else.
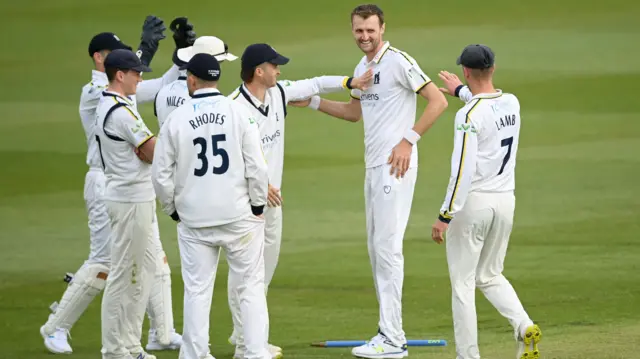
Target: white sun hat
(209, 45)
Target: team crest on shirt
(387, 189)
(376, 78)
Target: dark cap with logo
(476, 57)
(203, 66)
(257, 54)
(125, 60)
(106, 41)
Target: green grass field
(574, 256)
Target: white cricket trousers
(243, 242)
(388, 205)
(99, 228)
(133, 262)
(272, 242)
(477, 241)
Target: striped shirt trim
(423, 86)
(462, 154)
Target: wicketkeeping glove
(152, 32)
(183, 35)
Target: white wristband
(314, 103)
(412, 136)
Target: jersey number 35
(217, 151)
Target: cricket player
(210, 175)
(91, 278)
(173, 95)
(267, 99)
(478, 209)
(125, 146)
(388, 108)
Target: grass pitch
(574, 251)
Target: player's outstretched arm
(255, 166)
(162, 172)
(303, 89)
(348, 111)
(147, 89)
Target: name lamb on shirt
(205, 118)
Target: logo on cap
(214, 73)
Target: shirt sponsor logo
(271, 138)
(369, 97)
(468, 128)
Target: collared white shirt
(208, 165)
(91, 94)
(389, 105)
(170, 97)
(271, 113)
(117, 133)
(486, 137)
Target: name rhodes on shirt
(206, 118)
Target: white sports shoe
(153, 345)
(276, 352)
(57, 342)
(380, 347)
(142, 355)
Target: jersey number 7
(506, 142)
(217, 151)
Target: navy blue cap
(106, 41)
(476, 57)
(124, 59)
(258, 54)
(203, 66)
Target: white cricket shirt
(91, 94)
(486, 136)
(128, 179)
(389, 105)
(170, 97)
(271, 114)
(208, 165)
